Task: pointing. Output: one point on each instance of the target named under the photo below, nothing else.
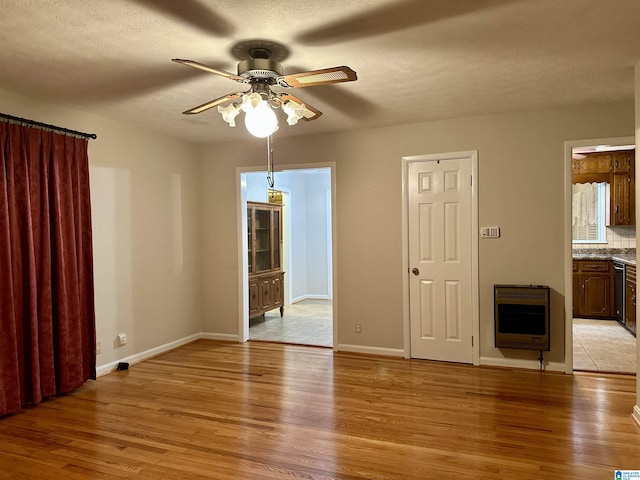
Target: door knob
(415, 271)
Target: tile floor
(308, 322)
(603, 345)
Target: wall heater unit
(522, 317)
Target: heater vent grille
(522, 317)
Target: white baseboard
(521, 363)
(636, 414)
(220, 336)
(152, 352)
(309, 297)
(390, 352)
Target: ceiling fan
(261, 72)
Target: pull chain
(270, 174)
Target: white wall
(145, 213)
(521, 189)
(316, 212)
(256, 185)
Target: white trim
(226, 337)
(636, 414)
(286, 239)
(389, 352)
(243, 279)
(152, 352)
(475, 297)
(309, 297)
(329, 243)
(243, 261)
(521, 363)
(568, 247)
(334, 255)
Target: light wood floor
(213, 410)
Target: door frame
(472, 155)
(286, 237)
(243, 261)
(568, 245)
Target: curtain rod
(26, 121)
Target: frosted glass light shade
(229, 113)
(294, 112)
(259, 118)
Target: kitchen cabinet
(630, 297)
(593, 289)
(591, 163)
(623, 203)
(616, 168)
(264, 239)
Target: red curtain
(47, 319)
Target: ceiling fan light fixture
(229, 113)
(294, 112)
(260, 119)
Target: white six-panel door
(440, 259)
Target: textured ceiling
(416, 59)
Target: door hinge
(472, 341)
(471, 180)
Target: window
(590, 214)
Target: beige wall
(521, 189)
(145, 285)
(157, 293)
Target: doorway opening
(599, 267)
(306, 250)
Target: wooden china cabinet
(264, 240)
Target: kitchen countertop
(624, 256)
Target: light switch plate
(490, 232)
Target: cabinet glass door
(276, 239)
(263, 240)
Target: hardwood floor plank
(216, 410)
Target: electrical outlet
(122, 339)
(98, 348)
(358, 328)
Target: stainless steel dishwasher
(619, 285)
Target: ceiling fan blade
(317, 77)
(348, 101)
(192, 12)
(213, 103)
(310, 113)
(206, 68)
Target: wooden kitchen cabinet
(617, 168)
(264, 241)
(592, 163)
(593, 289)
(623, 202)
(630, 297)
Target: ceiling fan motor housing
(259, 68)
